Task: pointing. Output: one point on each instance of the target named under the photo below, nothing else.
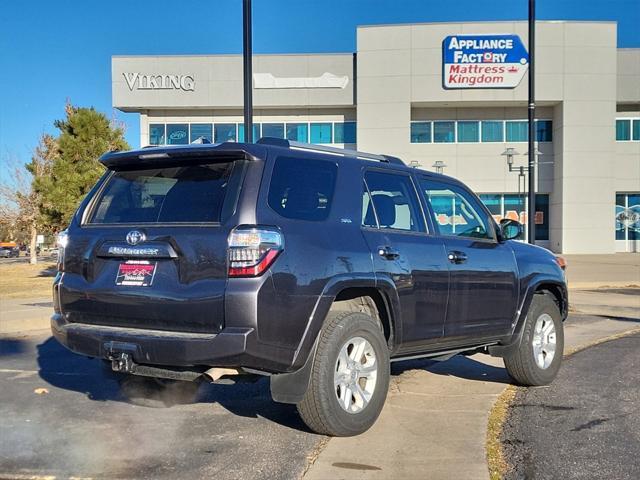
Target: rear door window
(390, 201)
(302, 189)
(177, 194)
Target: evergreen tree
(85, 135)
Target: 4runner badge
(134, 237)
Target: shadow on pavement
(12, 346)
(64, 369)
(458, 366)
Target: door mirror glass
(510, 229)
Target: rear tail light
(62, 240)
(252, 250)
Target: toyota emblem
(135, 237)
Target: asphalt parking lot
(584, 425)
(85, 427)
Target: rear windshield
(177, 194)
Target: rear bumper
(232, 347)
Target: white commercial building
(396, 95)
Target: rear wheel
(350, 376)
(538, 358)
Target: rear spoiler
(193, 153)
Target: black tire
(320, 409)
(521, 363)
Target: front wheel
(538, 358)
(350, 376)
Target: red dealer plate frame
(136, 273)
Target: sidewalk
(434, 423)
(20, 315)
(595, 271)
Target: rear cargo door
(151, 252)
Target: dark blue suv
(314, 266)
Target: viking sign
(483, 61)
(139, 81)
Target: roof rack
(344, 152)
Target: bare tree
(20, 199)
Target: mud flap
(291, 387)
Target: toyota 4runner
(314, 266)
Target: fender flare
(291, 387)
(514, 341)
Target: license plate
(136, 273)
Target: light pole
(247, 67)
(522, 171)
(532, 130)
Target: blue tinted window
(636, 129)
(517, 131)
(225, 132)
(493, 131)
(156, 134)
(344, 132)
(623, 130)
(177, 134)
(494, 203)
(544, 130)
(256, 132)
(542, 217)
(421, 132)
(273, 130)
(201, 130)
(444, 132)
(321, 133)
(468, 131)
(298, 132)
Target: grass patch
(23, 280)
(495, 458)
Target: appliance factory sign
(483, 61)
(139, 81)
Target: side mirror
(510, 229)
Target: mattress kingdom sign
(483, 61)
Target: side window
(391, 202)
(455, 211)
(302, 188)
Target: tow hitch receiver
(123, 362)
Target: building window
(493, 131)
(514, 207)
(444, 132)
(543, 130)
(273, 130)
(517, 131)
(636, 129)
(420, 132)
(200, 130)
(156, 134)
(256, 132)
(297, 132)
(225, 132)
(177, 134)
(628, 216)
(344, 132)
(321, 133)
(468, 131)
(623, 130)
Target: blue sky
(54, 51)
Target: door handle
(457, 257)
(388, 253)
